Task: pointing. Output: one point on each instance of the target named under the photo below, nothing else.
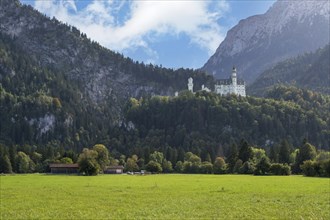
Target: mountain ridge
(260, 41)
(101, 73)
(310, 71)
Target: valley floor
(174, 196)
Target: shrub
(179, 167)
(280, 169)
(316, 168)
(167, 166)
(66, 160)
(247, 168)
(154, 167)
(325, 168)
(219, 166)
(206, 167)
(237, 166)
(308, 168)
(263, 166)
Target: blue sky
(171, 33)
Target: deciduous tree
(219, 166)
(263, 166)
(154, 166)
(5, 165)
(102, 155)
(88, 164)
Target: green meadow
(40, 196)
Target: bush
(179, 167)
(280, 169)
(247, 168)
(154, 167)
(308, 168)
(190, 167)
(325, 168)
(206, 167)
(167, 166)
(238, 165)
(66, 160)
(316, 168)
(219, 166)
(263, 166)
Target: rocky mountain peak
(288, 28)
(283, 12)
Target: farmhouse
(114, 170)
(63, 168)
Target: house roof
(63, 165)
(115, 167)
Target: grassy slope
(164, 196)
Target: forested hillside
(104, 77)
(205, 121)
(160, 132)
(311, 71)
(60, 88)
(40, 104)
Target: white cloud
(144, 22)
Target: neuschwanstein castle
(224, 86)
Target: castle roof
(229, 81)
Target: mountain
(102, 73)
(287, 29)
(310, 71)
(57, 84)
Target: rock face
(64, 48)
(287, 29)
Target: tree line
(242, 159)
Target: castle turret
(190, 84)
(234, 76)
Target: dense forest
(206, 119)
(42, 105)
(193, 132)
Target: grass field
(164, 197)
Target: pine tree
(181, 155)
(284, 154)
(233, 157)
(273, 154)
(5, 165)
(245, 151)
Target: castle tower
(190, 84)
(234, 76)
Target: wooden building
(114, 170)
(64, 168)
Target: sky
(170, 33)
